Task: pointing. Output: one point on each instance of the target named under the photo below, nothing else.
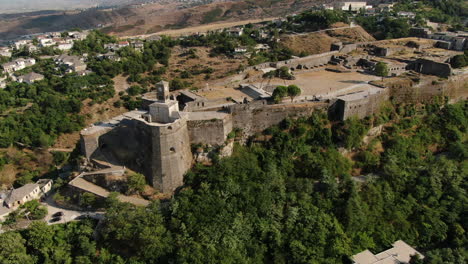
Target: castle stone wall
(258, 116)
(210, 131)
(307, 62)
(359, 104)
(432, 68)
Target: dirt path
(202, 28)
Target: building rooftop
(19, 193)
(369, 90)
(32, 76)
(400, 253)
(204, 115)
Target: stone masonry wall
(256, 117)
(212, 132)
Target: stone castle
(157, 140)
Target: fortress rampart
(257, 116)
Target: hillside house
(64, 46)
(235, 32)
(5, 52)
(12, 199)
(21, 43)
(109, 56)
(30, 78)
(46, 42)
(138, 45)
(123, 44)
(385, 7)
(404, 14)
(78, 35)
(72, 63)
(18, 64)
(400, 253)
(351, 6)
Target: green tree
(293, 91)
(13, 250)
(135, 183)
(381, 69)
(35, 209)
(279, 93)
(460, 61)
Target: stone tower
(171, 152)
(154, 142)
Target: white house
(46, 42)
(351, 6)
(64, 46)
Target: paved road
(68, 215)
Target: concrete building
(350, 6)
(400, 253)
(30, 78)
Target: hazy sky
(8, 6)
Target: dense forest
(290, 195)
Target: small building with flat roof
(400, 253)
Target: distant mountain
(17, 6)
(150, 17)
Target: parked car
(57, 214)
(55, 219)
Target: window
(172, 149)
